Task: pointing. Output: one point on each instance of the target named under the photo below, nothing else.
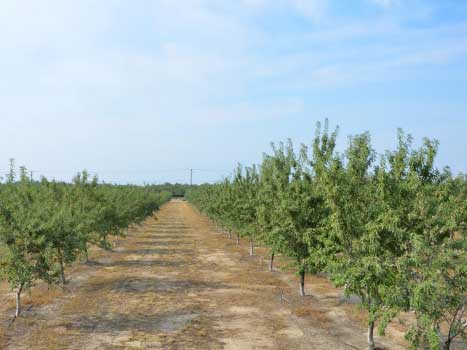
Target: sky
(141, 91)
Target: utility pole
(191, 177)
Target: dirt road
(177, 283)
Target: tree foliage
(388, 228)
(47, 225)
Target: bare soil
(176, 282)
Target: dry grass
(3, 337)
(317, 316)
(47, 338)
(357, 313)
(42, 295)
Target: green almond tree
(268, 200)
(21, 234)
(364, 233)
(292, 219)
(319, 163)
(390, 231)
(437, 260)
(245, 185)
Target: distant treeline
(177, 189)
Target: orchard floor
(177, 283)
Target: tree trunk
(371, 340)
(62, 273)
(302, 283)
(86, 252)
(18, 300)
(251, 248)
(447, 343)
(62, 268)
(238, 239)
(230, 234)
(271, 262)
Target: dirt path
(176, 283)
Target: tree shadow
(164, 243)
(162, 251)
(351, 299)
(152, 285)
(174, 236)
(170, 227)
(136, 263)
(106, 323)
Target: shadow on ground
(163, 243)
(171, 236)
(136, 263)
(149, 251)
(166, 322)
(152, 284)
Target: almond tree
(436, 256)
(296, 211)
(21, 233)
(44, 226)
(364, 232)
(244, 192)
(392, 232)
(267, 197)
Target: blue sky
(138, 91)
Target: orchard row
(46, 226)
(388, 228)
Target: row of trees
(177, 189)
(46, 225)
(388, 228)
